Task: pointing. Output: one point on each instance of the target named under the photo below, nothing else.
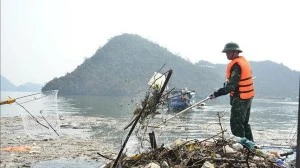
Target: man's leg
(237, 118)
(248, 131)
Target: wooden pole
(204, 100)
(298, 136)
(138, 117)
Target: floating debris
(209, 153)
(212, 152)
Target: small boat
(179, 99)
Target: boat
(179, 99)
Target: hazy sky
(43, 39)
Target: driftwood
(195, 153)
(149, 103)
(215, 150)
(105, 157)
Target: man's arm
(232, 83)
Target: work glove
(212, 96)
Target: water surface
(273, 121)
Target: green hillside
(124, 66)
(126, 63)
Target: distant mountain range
(125, 64)
(272, 79)
(6, 85)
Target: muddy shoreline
(19, 150)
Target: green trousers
(239, 118)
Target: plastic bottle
(280, 163)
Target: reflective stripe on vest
(245, 85)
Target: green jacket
(232, 84)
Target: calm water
(273, 121)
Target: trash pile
(212, 152)
(209, 153)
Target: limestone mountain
(125, 64)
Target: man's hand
(212, 96)
(215, 94)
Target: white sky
(43, 39)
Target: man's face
(229, 54)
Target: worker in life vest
(239, 84)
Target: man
(240, 86)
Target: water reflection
(109, 106)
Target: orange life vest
(245, 85)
